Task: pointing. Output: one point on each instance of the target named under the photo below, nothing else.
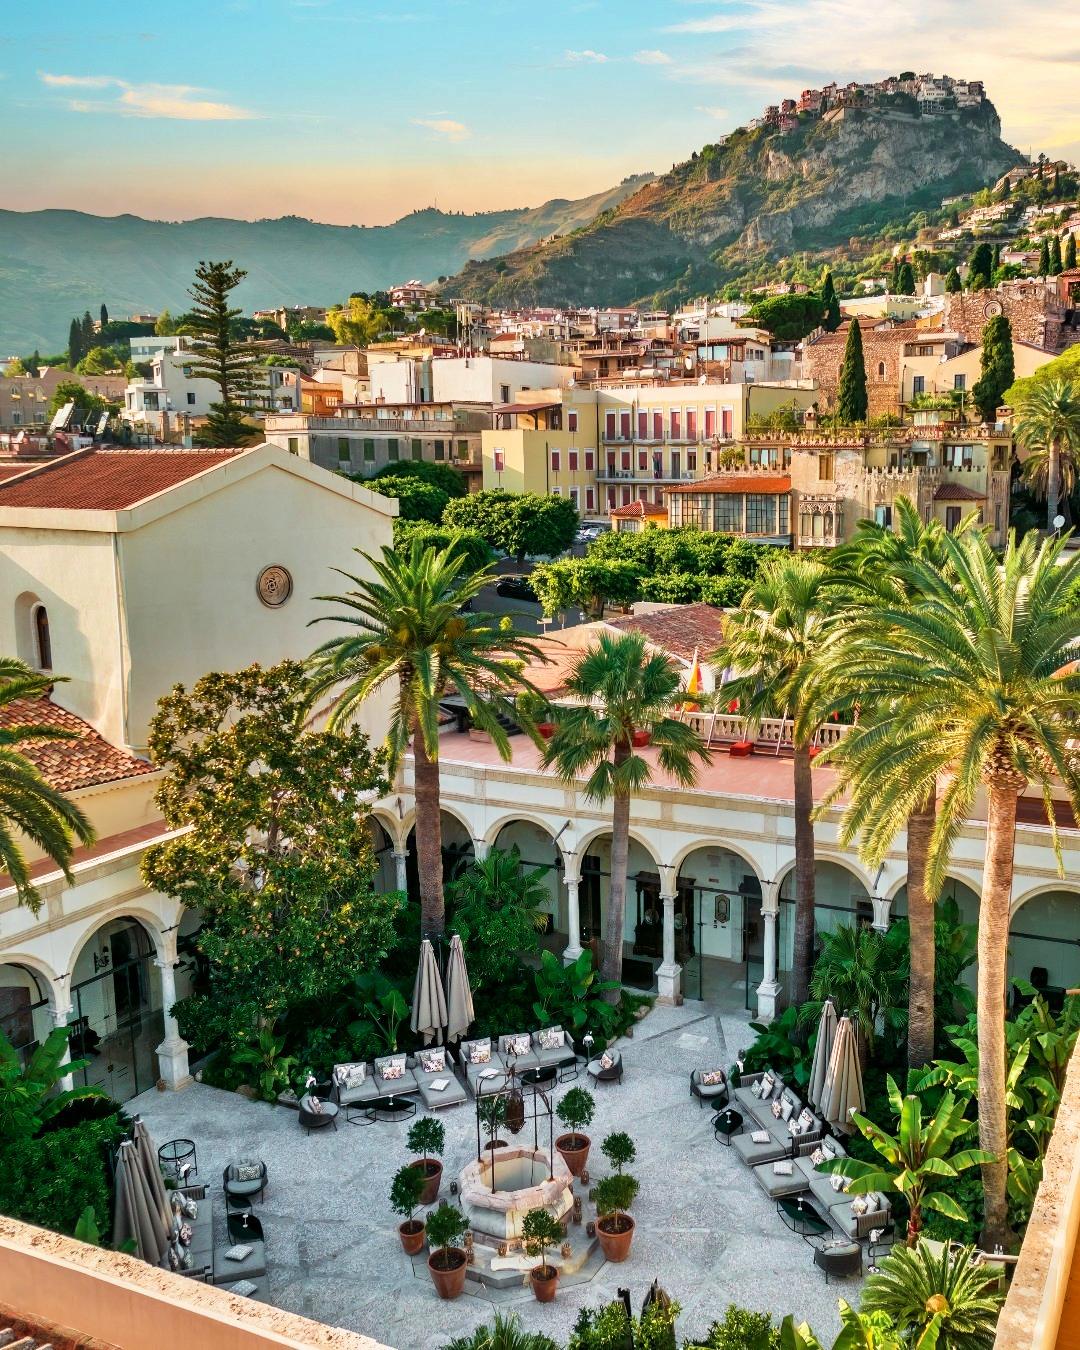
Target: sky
(358, 111)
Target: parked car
(516, 588)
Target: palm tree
(772, 640)
(412, 629)
(981, 691)
(621, 688)
(1048, 424)
(916, 1288)
(29, 805)
(858, 969)
(871, 573)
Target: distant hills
(762, 194)
(54, 264)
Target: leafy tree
(445, 1227)
(789, 317)
(443, 476)
(997, 371)
(585, 583)
(1055, 256)
(517, 523)
(31, 1097)
(411, 630)
(772, 640)
(1070, 251)
(1063, 367)
(99, 361)
(478, 552)
(996, 257)
(905, 281)
(1048, 426)
(851, 401)
(614, 1196)
(860, 970)
(571, 997)
(165, 326)
(416, 499)
(217, 355)
(1044, 257)
(497, 906)
(15, 368)
(405, 1191)
(621, 689)
(980, 267)
(618, 1148)
(87, 331)
(982, 696)
(71, 391)
(949, 1293)
(830, 305)
(29, 804)
(358, 323)
(275, 849)
(953, 284)
(541, 1231)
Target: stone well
(496, 1205)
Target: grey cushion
(250, 1268)
(245, 1187)
(366, 1092)
(754, 1154)
(775, 1186)
(451, 1095)
(474, 1072)
(393, 1087)
(555, 1055)
(857, 1226)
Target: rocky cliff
(762, 193)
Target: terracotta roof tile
(734, 482)
(85, 761)
(958, 492)
(638, 511)
(679, 629)
(107, 479)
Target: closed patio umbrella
(148, 1161)
(822, 1053)
(843, 1090)
(135, 1217)
(429, 1001)
(459, 1000)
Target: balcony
(416, 426)
(644, 476)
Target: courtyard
(705, 1229)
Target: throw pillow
(243, 1287)
(394, 1068)
(837, 1182)
(782, 1169)
(551, 1038)
(238, 1253)
(777, 1108)
(712, 1077)
(829, 1148)
(315, 1106)
(176, 1199)
(858, 1205)
(768, 1082)
(806, 1118)
(191, 1208)
(817, 1157)
(606, 1062)
(874, 1202)
(185, 1235)
(518, 1045)
(433, 1061)
(186, 1259)
(786, 1108)
(248, 1171)
(755, 1087)
(794, 1128)
(761, 1137)
(175, 1256)
(351, 1075)
(480, 1053)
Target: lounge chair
(492, 1071)
(451, 1094)
(716, 1094)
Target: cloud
(174, 102)
(588, 55)
(652, 58)
(444, 126)
(710, 110)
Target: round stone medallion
(992, 309)
(274, 585)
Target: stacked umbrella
(822, 1053)
(843, 1089)
(140, 1216)
(459, 1000)
(428, 1000)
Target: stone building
(1033, 307)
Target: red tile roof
(958, 492)
(734, 482)
(679, 629)
(108, 479)
(638, 510)
(84, 761)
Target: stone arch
(492, 832)
(788, 869)
(1044, 939)
(636, 836)
(737, 848)
(513, 829)
(29, 998)
(452, 809)
(27, 605)
(391, 827)
(718, 917)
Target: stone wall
(1031, 307)
(883, 349)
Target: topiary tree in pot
(405, 1193)
(615, 1227)
(492, 1113)
(576, 1111)
(540, 1230)
(618, 1148)
(447, 1263)
(427, 1136)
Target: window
(571, 420)
(952, 517)
(151, 401)
(997, 517)
(438, 449)
(657, 425)
(590, 461)
(590, 499)
(504, 393)
(191, 400)
(343, 447)
(612, 501)
(369, 452)
(710, 423)
(760, 513)
(294, 445)
(556, 491)
(643, 461)
(554, 461)
(676, 469)
(691, 424)
(918, 384)
(417, 449)
(883, 516)
(826, 466)
(691, 461)
(676, 424)
(881, 370)
(627, 496)
(609, 426)
(624, 426)
(574, 496)
(625, 460)
(959, 382)
(42, 638)
(728, 512)
(572, 460)
(643, 494)
(727, 417)
(392, 448)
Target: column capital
(481, 848)
(770, 897)
(571, 868)
(882, 911)
(669, 881)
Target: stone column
(573, 909)
(481, 848)
(61, 1015)
(401, 879)
(172, 1053)
(882, 910)
(669, 973)
(768, 991)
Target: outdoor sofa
(759, 1118)
(834, 1204)
(524, 1050)
(433, 1066)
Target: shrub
(427, 1136)
(741, 1329)
(576, 1111)
(445, 1228)
(619, 1150)
(540, 1231)
(50, 1180)
(405, 1191)
(614, 1196)
(504, 1333)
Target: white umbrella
(822, 1053)
(429, 1001)
(459, 999)
(843, 1091)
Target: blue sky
(356, 111)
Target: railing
(416, 425)
(772, 732)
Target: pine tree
(1044, 258)
(1070, 251)
(905, 284)
(75, 344)
(851, 402)
(218, 356)
(35, 364)
(980, 267)
(995, 365)
(1006, 190)
(104, 315)
(830, 305)
(1055, 257)
(953, 284)
(894, 280)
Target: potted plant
(615, 1227)
(618, 1148)
(640, 738)
(541, 1231)
(447, 1262)
(405, 1190)
(492, 1112)
(575, 1111)
(535, 708)
(427, 1136)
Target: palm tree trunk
(921, 914)
(428, 837)
(1053, 482)
(611, 951)
(993, 952)
(803, 957)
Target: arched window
(42, 640)
(881, 370)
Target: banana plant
(28, 1095)
(571, 996)
(274, 1069)
(860, 1331)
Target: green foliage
(416, 499)
(505, 1332)
(616, 1194)
(740, 1329)
(1062, 369)
(445, 1227)
(51, 1179)
(980, 267)
(492, 1113)
(359, 322)
(427, 1136)
(918, 1290)
(954, 951)
(606, 1328)
(479, 554)
(789, 317)
(576, 1110)
(540, 1231)
(572, 997)
(618, 1148)
(519, 524)
(496, 905)
(1044, 257)
(905, 280)
(383, 1009)
(216, 355)
(953, 284)
(851, 400)
(778, 1045)
(405, 1191)
(273, 1068)
(100, 361)
(443, 476)
(861, 970)
(996, 366)
(71, 391)
(273, 851)
(830, 305)
(29, 1097)
(585, 583)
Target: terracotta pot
(496, 1143)
(449, 1281)
(640, 738)
(544, 1281)
(412, 1236)
(546, 729)
(574, 1157)
(615, 1244)
(431, 1171)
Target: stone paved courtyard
(705, 1229)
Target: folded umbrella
(459, 998)
(822, 1053)
(429, 1001)
(843, 1091)
(148, 1161)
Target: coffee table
(802, 1216)
(728, 1122)
(544, 1076)
(389, 1108)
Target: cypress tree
(851, 402)
(1070, 251)
(104, 315)
(905, 284)
(1044, 258)
(1055, 257)
(87, 332)
(995, 365)
(953, 284)
(954, 219)
(830, 305)
(997, 257)
(75, 351)
(894, 280)
(981, 267)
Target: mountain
(54, 264)
(761, 194)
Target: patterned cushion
(350, 1075)
(794, 1128)
(191, 1208)
(393, 1068)
(247, 1171)
(806, 1118)
(768, 1082)
(829, 1148)
(238, 1253)
(606, 1062)
(761, 1137)
(786, 1108)
(777, 1108)
(433, 1061)
(519, 1045)
(859, 1205)
(551, 1038)
(244, 1288)
(480, 1052)
(312, 1105)
(712, 1077)
(755, 1087)
(782, 1169)
(837, 1182)
(817, 1157)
